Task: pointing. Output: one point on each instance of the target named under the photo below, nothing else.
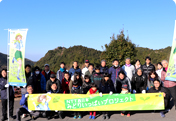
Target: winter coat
(139, 83)
(23, 101)
(65, 85)
(104, 69)
(77, 90)
(106, 87)
(60, 75)
(49, 83)
(129, 71)
(113, 71)
(118, 84)
(3, 82)
(86, 86)
(96, 78)
(84, 70)
(47, 76)
(72, 71)
(147, 69)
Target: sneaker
(107, 117)
(90, 117)
(79, 117)
(49, 117)
(122, 114)
(93, 117)
(4, 118)
(74, 117)
(128, 115)
(60, 114)
(162, 114)
(24, 116)
(104, 117)
(32, 118)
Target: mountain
(3, 61)
(81, 53)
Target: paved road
(136, 116)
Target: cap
(124, 86)
(86, 61)
(46, 65)
(53, 76)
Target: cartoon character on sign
(18, 45)
(42, 103)
(174, 56)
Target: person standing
(128, 68)
(61, 72)
(4, 86)
(47, 72)
(85, 69)
(90, 71)
(137, 64)
(148, 67)
(75, 68)
(160, 68)
(114, 70)
(171, 85)
(103, 67)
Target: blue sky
(91, 23)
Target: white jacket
(84, 70)
(129, 71)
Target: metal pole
(8, 75)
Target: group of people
(128, 79)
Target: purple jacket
(113, 71)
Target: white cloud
(0, 0)
(174, 1)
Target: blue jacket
(72, 71)
(3, 82)
(104, 69)
(23, 102)
(113, 71)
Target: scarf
(92, 91)
(62, 69)
(128, 65)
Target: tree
(119, 48)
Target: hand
(164, 94)
(48, 92)
(7, 85)
(56, 111)
(134, 91)
(101, 95)
(26, 95)
(29, 111)
(24, 86)
(143, 91)
(110, 92)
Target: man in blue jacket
(24, 109)
(103, 67)
(75, 68)
(114, 70)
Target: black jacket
(104, 69)
(96, 78)
(118, 84)
(78, 90)
(146, 70)
(139, 83)
(86, 86)
(106, 87)
(3, 82)
(49, 83)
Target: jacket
(139, 83)
(147, 69)
(104, 69)
(86, 86)
(57, 91)
(47, 76)
(129, 71)
(49, 83)
(84, 70)
(23, 101)
(106, 88)
(60, 75)
(118, 84)
(89, 74)
(96, 78)
(3, 82)
(65, 85)
(113, 71)
(72, 71)
(77, 90)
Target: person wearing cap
(52, 80)
(139, 82)
(106, 86)
(85, 68)
(157, 88)
(61, 72)
(114, 70)
(125, 91)
(47, 72)
(103, 67)
(38, 81)
(148, 67)
(122, 79)
(75, 68)
(97, 76)
(128, 68)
